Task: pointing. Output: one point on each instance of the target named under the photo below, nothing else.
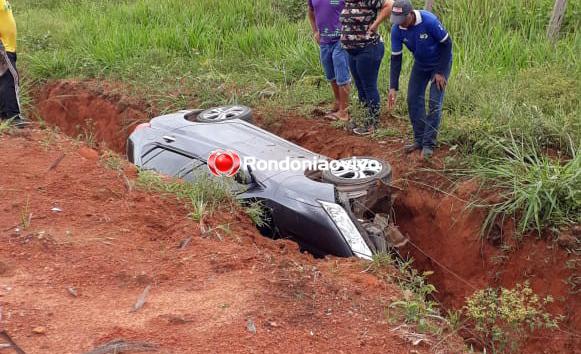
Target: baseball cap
(399, 11)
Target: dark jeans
(426, 126)
(364, 64)
(9, 103)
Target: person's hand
(317, 37)
(391, 99)
(373, 28)
(440, 81)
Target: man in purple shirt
(324, 18)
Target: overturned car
(342, 210)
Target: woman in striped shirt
(360, 20)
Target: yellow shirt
(7, 26)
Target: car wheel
(224, 113)
(357, 173)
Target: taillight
(142, 126)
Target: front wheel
(358, 172)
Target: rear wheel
(224, 113)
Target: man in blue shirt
(424, 36)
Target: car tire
(225, 113)
(358, 173)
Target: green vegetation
(416, 308)
(509, 82)
(540, 190)
(256, 211)
(112, 161)
(504, 317)
(5, 127)
(202, 197)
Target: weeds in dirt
(339, 124)
(384, 133)
(257, 213)
(203, 196)
(112, 161)
(416, 307)
(49, 137)
(88, 134)
(538, 190)
(505, 317)
(5, 127)
(25, 215)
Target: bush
(504, 317)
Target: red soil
(445, 234)
(110, 241)
(80, 108)
(431, 211)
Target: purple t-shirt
(327, 13)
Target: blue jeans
(335, 63)
(364, 64)
(426, 126)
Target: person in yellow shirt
(9, 81)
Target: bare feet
(343, 116)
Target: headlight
(348, 229)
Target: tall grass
(537, 190)
(260, 52)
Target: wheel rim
(355, 169)
(223, 113)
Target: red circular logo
(224, 163)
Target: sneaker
(408, 149)
(20, 122)
(363, 131)
(427, 153)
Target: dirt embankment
(80, 246)
(444, 234)
(98, 112)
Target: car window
(165, 161)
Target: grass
(202, 197)
(540, 191)
(5, 127)
(112, 161)
(508, 80)
(26, 215)
(416, 306)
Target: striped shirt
(356, 18)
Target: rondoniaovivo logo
(224, 163)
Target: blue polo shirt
(422, 39)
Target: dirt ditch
(444, 233)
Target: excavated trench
(444, 234)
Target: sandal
(334, 116)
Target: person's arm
(313, 22)
(445, 48)
(445, 55)
(395, 71)
(395, 67)
(384, 13)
